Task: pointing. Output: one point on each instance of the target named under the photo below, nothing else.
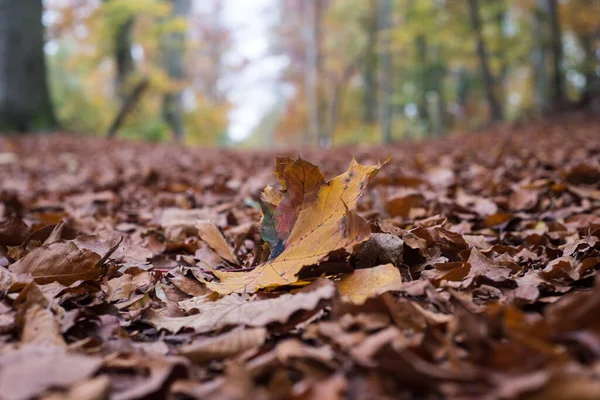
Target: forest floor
(462, 268)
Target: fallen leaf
(10, 282)
(153, 375)
(176, 216)
(319, 218)
(293, 349)
(401, 205)
(13, 231)
(188, 285)
(61, 262)
(363, 284)
(523, 199)
(211, 235)
(39, 325)
(233, 310)
(225, 345)
(92, 389)
(28, 372)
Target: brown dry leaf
(153, 374)
(123, 287)
(13, 232)
(232, 310)
(364, 352)
(40, 328)
(481, 265)
(211, 235)
(188, 285)
(38, 323)
(401, 205)
(292, 349)
(331, 388)
(523, 199)
(27, 373)
(93, 389)
(313, 219)
(225, 345)
(10, 282)
(575, 385)
(363, 284)
(62, 262)
(176, 216)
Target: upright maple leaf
(303, 223)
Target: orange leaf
(363, 284)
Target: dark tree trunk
(174, 51)
(25, 103)
(486, 73)
(424, 76)
(128, 105)
(591, 63)
(501, 54)
(538, 56)
(558, 84)
(122, 43)
(441, 106)
(386, 71)
(125, 66)
(370, 70)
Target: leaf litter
(456, 269)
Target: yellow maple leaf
(303, 223)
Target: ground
(461, 268)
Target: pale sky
(253, 92)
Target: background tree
(489, 82)
(558, 89)
(24, 98)
(174, 53)
(385, 10)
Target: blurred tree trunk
(25, 103)
(438, 86)
(486, 73)
(370, 68)
(538, 56)
(423, 84)
(310, 72)
(125, 66)
(386, 71)
(174, 53)
(590, 64)
(558, 86)
(502, 54)
(122, 43)
(325, 135)
(128, 104)
(463, 89)
(338, 93)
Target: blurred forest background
(292, 72)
